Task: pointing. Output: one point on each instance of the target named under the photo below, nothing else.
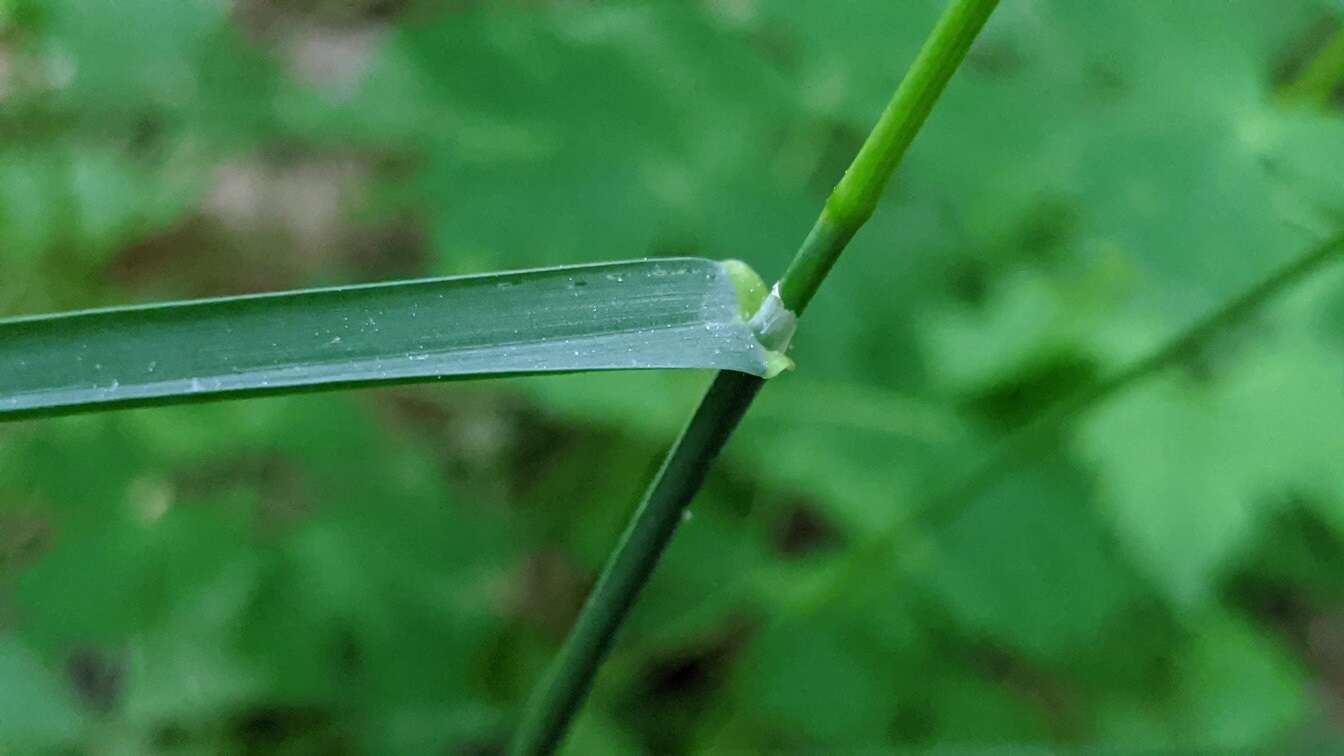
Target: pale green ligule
(771, 322)
(776, 363)
(751, 288)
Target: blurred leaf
(185, 671)
(1238, 691)
(189, 69)
(35, 709)
(83, 202)
(655, 99)
(974, 715)
(853, 709)
(1028, 565)
(1188, 471)
(224, 613)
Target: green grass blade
(665, 313)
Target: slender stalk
(1045, 429)
(634, 558)
(853, 200)
(557, 698)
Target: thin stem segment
(557, 698)
(853, 200)
(633, 561)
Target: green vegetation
(549, 712)
(1104, 274)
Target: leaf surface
(665, 313)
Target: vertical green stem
(555, 700)
(633, 560)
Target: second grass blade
(664, 313)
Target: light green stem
(853, 200)
(555, 700)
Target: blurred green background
(389, 571)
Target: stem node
(555, 701)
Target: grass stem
(555, 701)
(633, 560)
(855, 197)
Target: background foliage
(388, 571)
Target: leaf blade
(644, 314)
